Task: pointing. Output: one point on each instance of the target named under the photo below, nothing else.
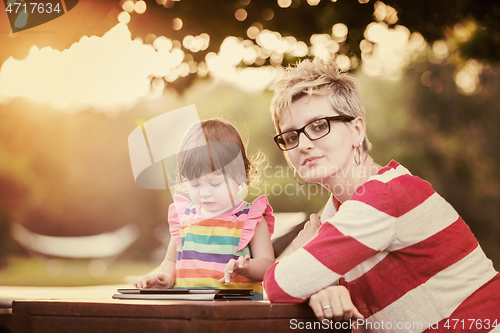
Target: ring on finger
(326, 307)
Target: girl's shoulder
(259, 207)
(182, 205)
(254, 213)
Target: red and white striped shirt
(407, 256)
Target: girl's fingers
(241, 262)
(141, 284)
(228, 271)
(234, 267)
(244, 261)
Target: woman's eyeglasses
(314, 130)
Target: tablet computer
(185, 294)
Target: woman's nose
(304, 142)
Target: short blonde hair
(318, 77)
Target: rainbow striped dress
(206, 244)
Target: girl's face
(323, 159)
(212, 193)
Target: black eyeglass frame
(343, 118)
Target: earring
(295, 178)
(357, 151)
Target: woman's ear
(358, 126)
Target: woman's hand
(309, 232)
(158, 281)
(235, 267)
(334, 302)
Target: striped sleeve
(362, 227)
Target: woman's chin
(314, 176)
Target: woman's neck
(344, 184)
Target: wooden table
(122, 316)
(5, 320)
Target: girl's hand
(158, 281)
(235, 267)
(334, 302)
(309, 232)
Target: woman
(410, 262)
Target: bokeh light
(240, 14)
(385, 13)
(323, 46)
(140, 7)
(313, 2)
(177, 24)
(253, 32)
(268, 14)
(268, 39)
(425, 78)
(339, 32)
(196, 44)
(128, 6)
(464, 31)
(467, 77)
(124, 17)
(386, 51)
(343, 61)
(284, 3)
(439, 52)
(162, 43)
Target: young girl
(216, 238)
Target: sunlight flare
(105, 72)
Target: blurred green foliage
(448, 139)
